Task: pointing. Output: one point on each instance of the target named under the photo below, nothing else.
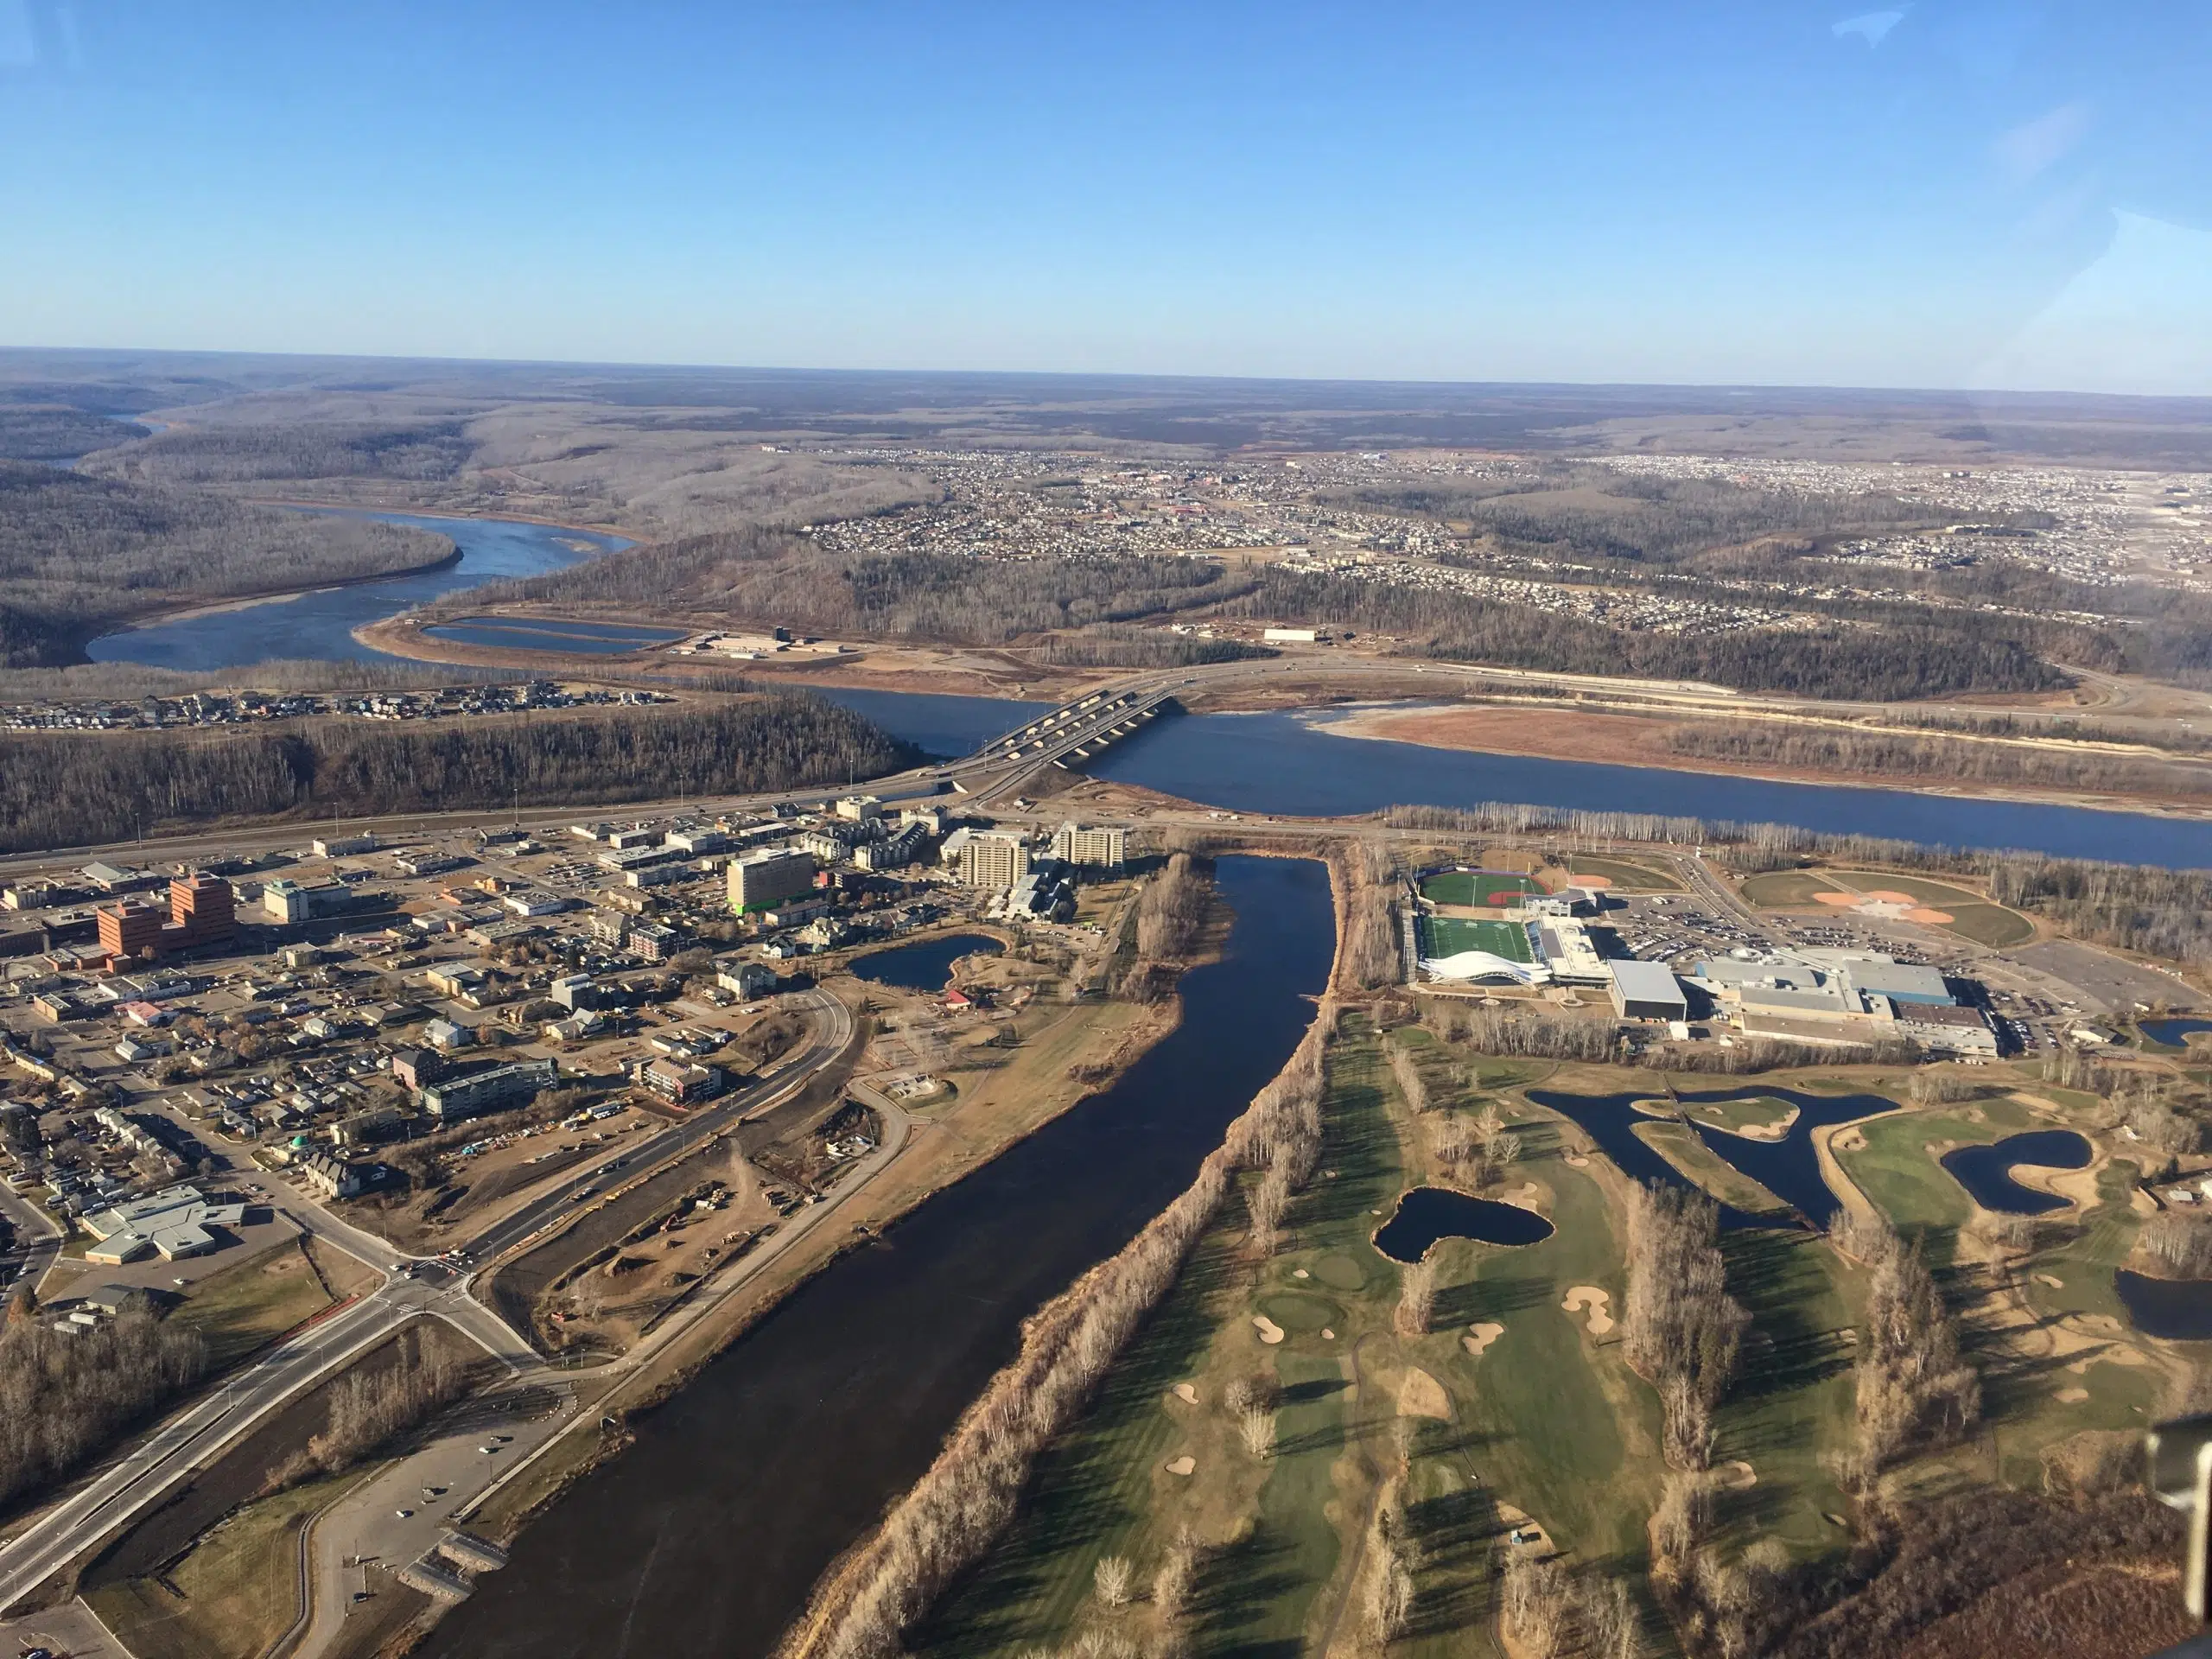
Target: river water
(705, 1536)
(320, 624)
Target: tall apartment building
(758, 880)
(1095, 848)
(995, 858)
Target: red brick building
(201, 912)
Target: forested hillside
(79, 556)
(241, 454)
(57, 791)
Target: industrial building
(1844, 997)
(1646, 990)
(758, 880)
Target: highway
(191, 1438)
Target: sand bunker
(1596, 1300)
(1576, 1161)
(1182, 1465)
(1525, 1195)
(1922, 913)
(1187, 1393)
(1270, 1332)
(1423, 1396)
(1736, 1477)
(1299, 1272)
(2051, 1279)
(1484, 1334)
(2072, 1396)
(1327, 1335)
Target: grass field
(1973, 917)
(244, 1307)
(1444, 936)
(1701, 1166)
(238, 1589)
(1478, 887)
(1624, 875)
(1759, 1111)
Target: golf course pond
(2171, 1033)
(925, 964)
(1428, 1213)
(1987, 1171)
(1788, 1166)
(2179, 1310)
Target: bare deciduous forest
(62, 1398)
(54, 791)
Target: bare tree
(1111, 1580)
(1258, 1432)
(1417, 1297)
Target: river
(706, 1534)
(320, 623)
(1290, 763)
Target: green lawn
(1700, 1165)
(1623, 876)
(238, 1589)
(1444, 936)
(246, 1306)
(1757, 1111)
(1478, 887)
(1786, 889)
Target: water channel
(706, 1534)
(1789, 1169)
(320, 623)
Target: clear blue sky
(1955, 192)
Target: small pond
(2179, 1310)
(1985, 1172)
(1428, 1213)
(552, 633)
(2170, 1033)
(924, 965)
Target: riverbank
(1069, 1053)
(923, 1317)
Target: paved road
(38, 1241)
(189, 1438)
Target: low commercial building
(291, 903)
(1646, 990)
(681, 1084)
(172, 1224)
(343, 846)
